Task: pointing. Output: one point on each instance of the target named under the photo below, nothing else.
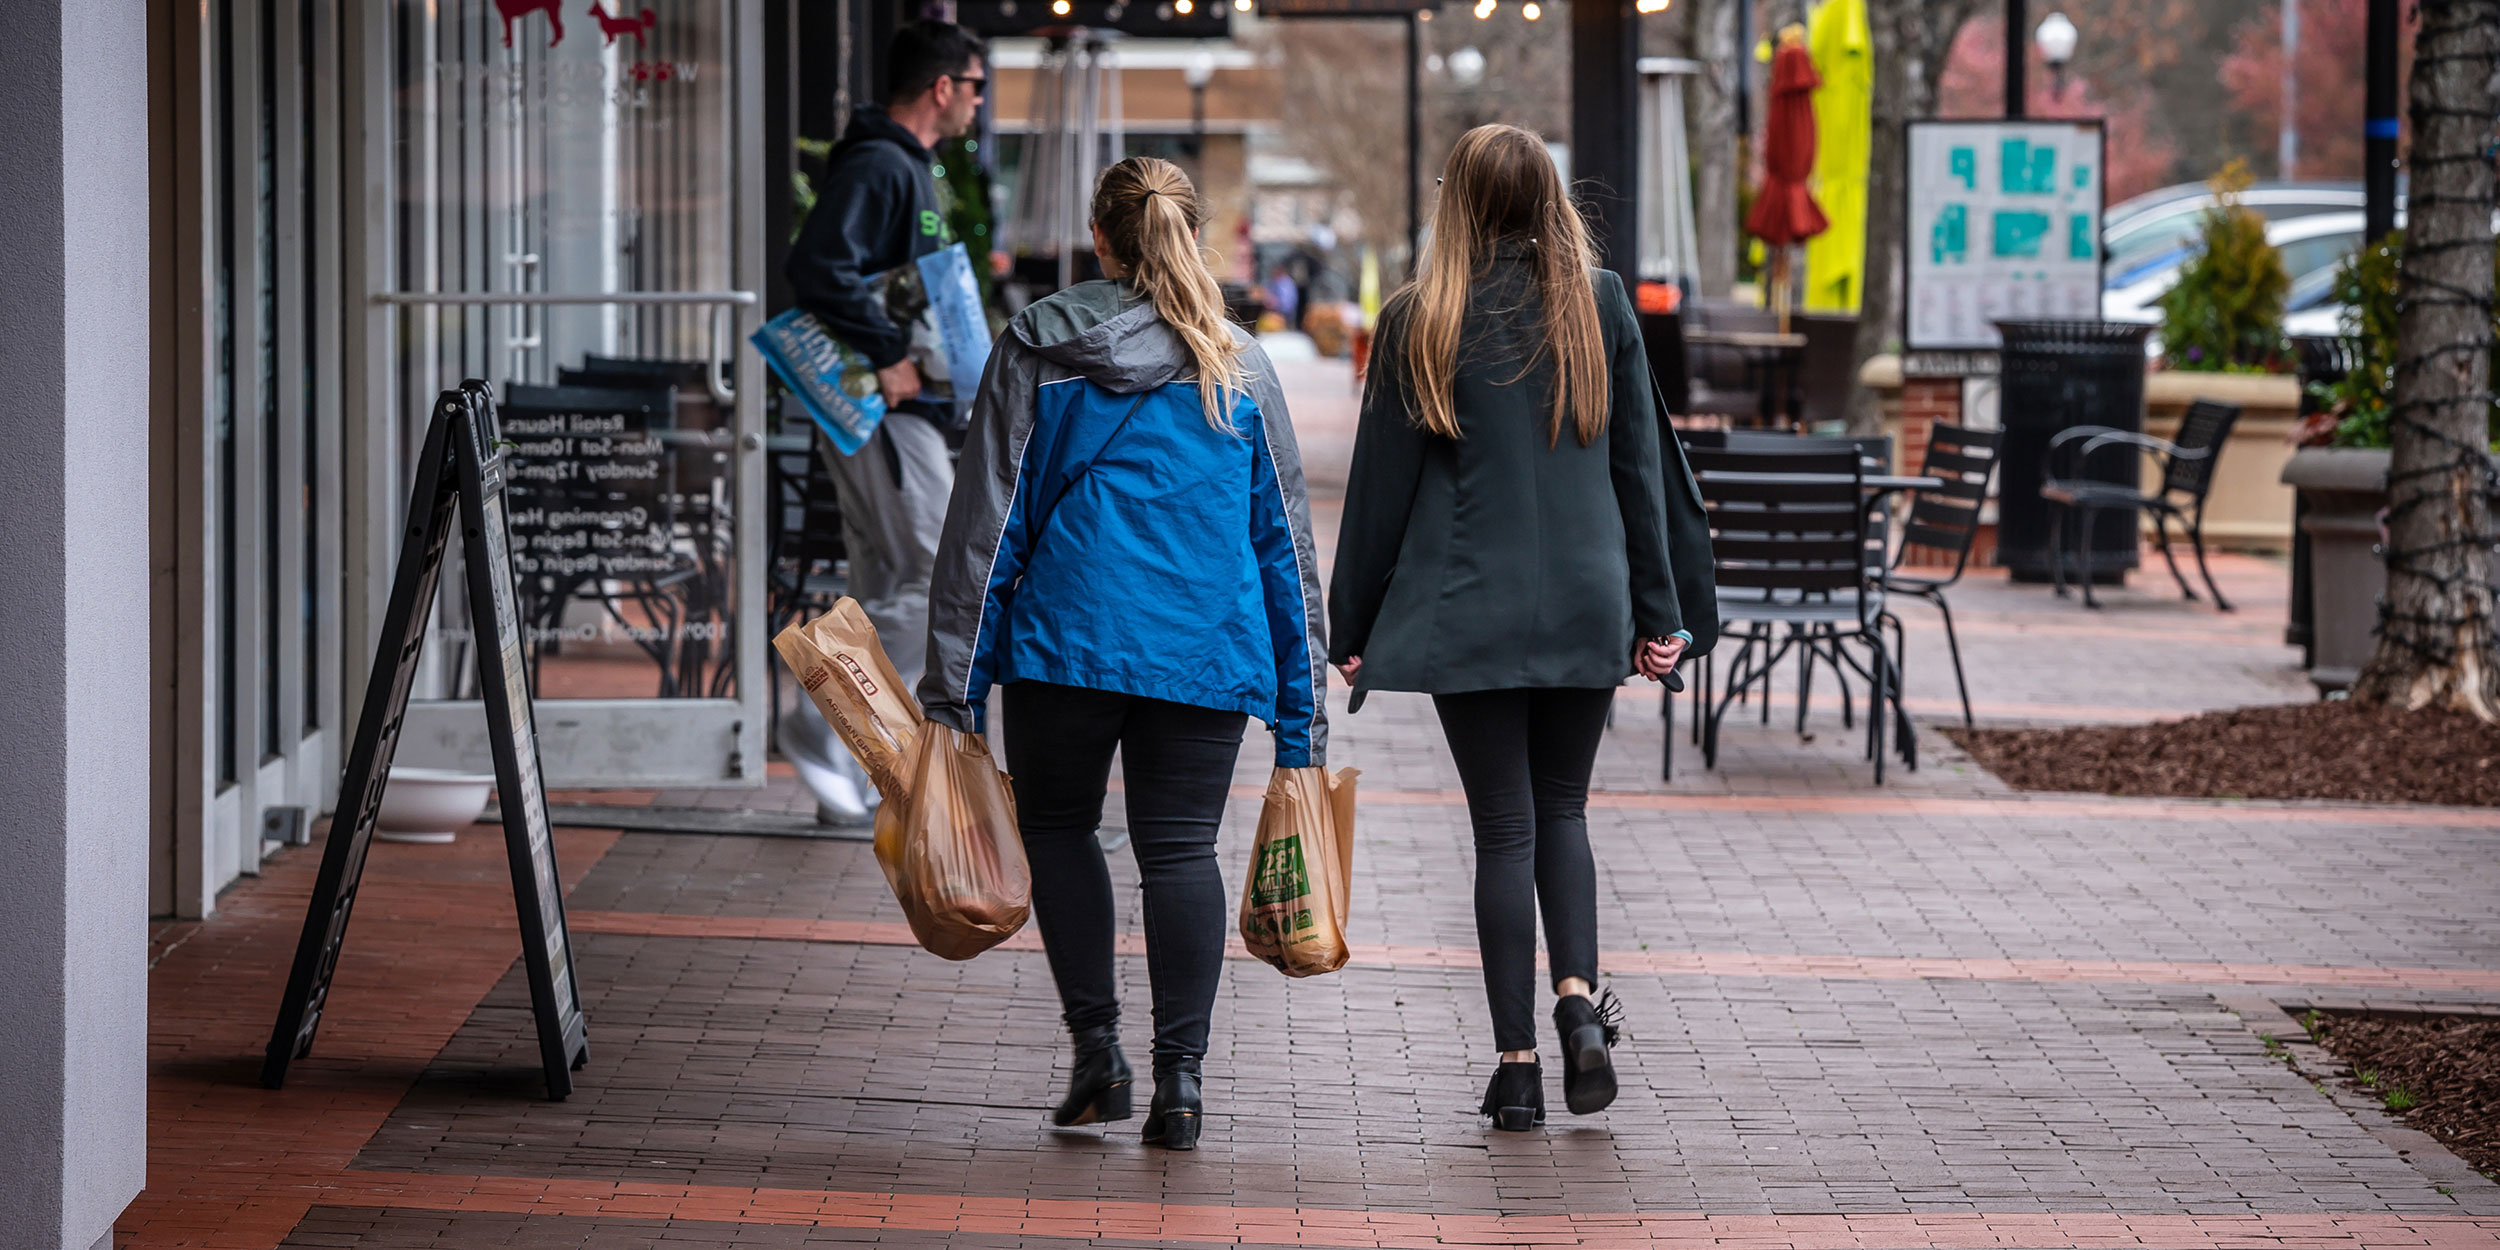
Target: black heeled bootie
(1098, 1088)
(1516, 1098)
(1173, 1119)
(1588, 1030)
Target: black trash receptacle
(2057, 375)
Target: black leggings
(1177, 762)
(1524, 757)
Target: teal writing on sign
(2018, 233)
(2083, 176)
(2026, 170)
(2079, 236)
(1964, 164)
(1950, 237)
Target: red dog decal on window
(614, 26)
(514, 10)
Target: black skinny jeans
(1177, 762)
(1524, 757)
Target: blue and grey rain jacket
(1179, 568)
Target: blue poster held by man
(834, 381)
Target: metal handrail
(563, 297)
(720, 301)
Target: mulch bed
(2441, 1073)
(2327, 750)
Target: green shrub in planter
(2226, 313)
(2366, 286)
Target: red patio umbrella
(1784, 212)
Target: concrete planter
(2250, 507)
(2344, 491)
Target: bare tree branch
(1341, 112)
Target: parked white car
(2312, 246)
(2156, 231)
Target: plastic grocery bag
(950, 847)
(1293, 906)
(946, 833)
(842, 667)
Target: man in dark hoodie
(880, 209)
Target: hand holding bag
(1293, 903)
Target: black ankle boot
(1173, 1119)
(1098, 1087)
(1588, 1031)
(1516, 1098)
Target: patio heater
(1074, 132)
(1669, 251)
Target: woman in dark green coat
(1513, 547)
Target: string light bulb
(1061, 8)
(1423, 15)
(1184, 7)
(1650, 6)
(1241, 6)
(1531, 10)
(1484, 8)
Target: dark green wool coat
(1493, 561)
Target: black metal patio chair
(1873, 455)
(1944, 520)
(1790, 545)
(2187, 476)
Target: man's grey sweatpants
(893, 494)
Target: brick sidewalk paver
(1939, 1014)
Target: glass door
(575, 217)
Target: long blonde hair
(1500, 187)
(1149, 215)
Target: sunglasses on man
(979, 84)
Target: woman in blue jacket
(1128, 553)
(1515, 546)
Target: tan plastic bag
(842, 667)
(946, 833)
(950, 847)
(1293, 904)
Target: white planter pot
(430, 804)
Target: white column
(73, 618)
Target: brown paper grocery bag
(950, 847)
(842, 667)
(1293, 905)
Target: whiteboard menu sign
(2004, 222)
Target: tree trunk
(2435, 621)
(1715, 147)
(1910, 38)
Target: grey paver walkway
(1941, 1013)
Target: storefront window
(566, 155)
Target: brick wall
(1924, 402)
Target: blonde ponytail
(1150, 214)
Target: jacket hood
(870, 124)
(1107, 334)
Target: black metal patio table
(1877, 486)
(1772, 363)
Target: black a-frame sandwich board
(460, 472)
